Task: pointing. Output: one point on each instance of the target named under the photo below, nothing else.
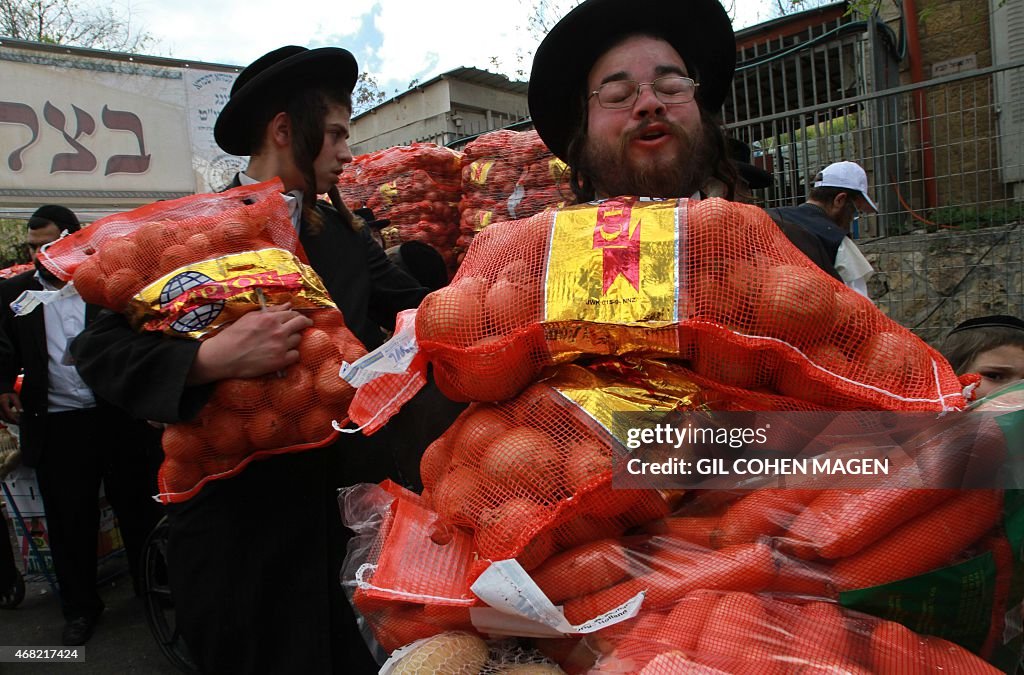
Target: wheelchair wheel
(156, 595)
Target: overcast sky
(397, 41)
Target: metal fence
(943, 157)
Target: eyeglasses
(670, 89)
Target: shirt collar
(292, 198)
(44, 282)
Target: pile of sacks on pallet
(582, 334)
(444, 197)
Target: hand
(258, 343)
(10, 408)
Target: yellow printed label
(200, 298)
(479, 169)
(388, 193)
(615, 262)
(557, 168)
(646, 389)
(484, 220)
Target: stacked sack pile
(417, 187)
(189, 267)
(507, 175)
(14, 270)
(668, 307)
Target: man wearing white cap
(840, 191)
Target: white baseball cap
(849, 176)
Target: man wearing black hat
(254, 560)
(72, 438)
(628, 93)
(990, 345)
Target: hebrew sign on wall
(76, 127)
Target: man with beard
(839, 194)
(627, 93)
(73, 439)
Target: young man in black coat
(254, 560)
(70, 435)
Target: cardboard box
(23, 488)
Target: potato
(451, 316)
(122, 286)
(893, 362)
(119, 254)
(89, 282)
(476, 431)
(511, 305)
(504, 528)
(459, 497)
(794, 303)
(445, 654)
(525, 461)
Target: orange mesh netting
(246, 418)
(740, 632)
(190, 267)
(749, 544)
(65, 255)
(13, 270)
(713, 282)
(936, 560)
(121, 267)
(417, 187)
(507, 175)
(254, 417)
(532, 476)
(407, 578)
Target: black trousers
(254, 564)
(82, 449)
(8, 568)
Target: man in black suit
(254, 559)
(72, 439)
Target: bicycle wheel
(156, 595)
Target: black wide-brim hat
(700, 30)
(274, 74)
(739, 152)
(371, 220)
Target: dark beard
(46, 274)
(613, 173)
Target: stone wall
(929, 282)
(961, 116)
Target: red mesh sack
(713, 282)
(249, 418)
(190, 267)
(417, 187)
(507, 175)
(406, 581)
(740, 632)
(532, 476)
(120, 268)
(246, 419)
(13, 270)
(65, 255)
(746, 544)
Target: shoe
(77, 631)
(12, 596)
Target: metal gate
(940, 157)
